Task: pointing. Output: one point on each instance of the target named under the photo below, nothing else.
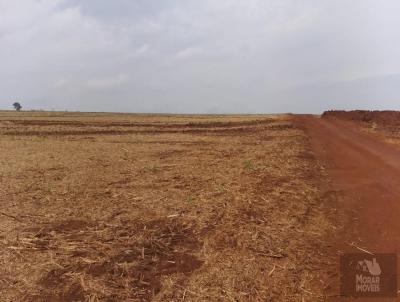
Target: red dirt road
(365, 183)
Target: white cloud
(189, 52)
(107, 83)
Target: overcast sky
(200, 56)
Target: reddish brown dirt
(380, 117)
(380, 122)
(365, 175)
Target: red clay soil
(388, 118)
(365, 174)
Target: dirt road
(365, 177)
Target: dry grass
(107, 207)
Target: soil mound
(388, 118)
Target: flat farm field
(141, 207)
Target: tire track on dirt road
(365, 176)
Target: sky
(200, 56)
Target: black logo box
(350, 269)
